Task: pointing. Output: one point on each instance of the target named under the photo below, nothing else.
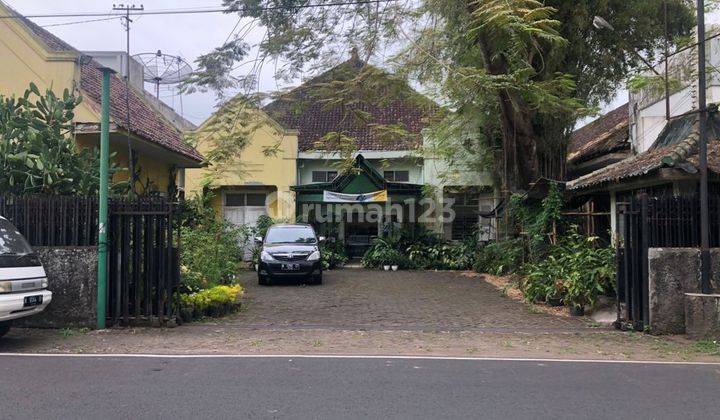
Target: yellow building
(29, 53)
(252, 164)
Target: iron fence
(644, 222)
(143, 238)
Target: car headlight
(266, 257)
(44, 283)
(5, 287)
(314, 256)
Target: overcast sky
(185, 35)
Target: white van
(23, 283)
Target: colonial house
(29, 53)
(257, 178)
(351, 168)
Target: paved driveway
(361, 299)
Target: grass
(709, 347)
(69, 332)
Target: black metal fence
(143, 259)
(53, 220)
(144, 267)
(645, 222)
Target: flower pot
(386, 267)
(394, 267)
(576, 310)
(554, 301)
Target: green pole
(103, 211)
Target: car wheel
(317, 279)
(4, 327)
(262, 280)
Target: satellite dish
(163, 69)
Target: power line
(200, 11)
(81, 21)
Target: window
(244, 199)
(290, 235)
(466, 205)
(323, 176)
(11, 241)
(397, 176)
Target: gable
(362, 115)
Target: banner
(371, 197)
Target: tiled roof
(671, 150)
(606, 134)
(304, 109)
(145, 121)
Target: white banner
(371, 197)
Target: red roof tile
(304, 109)
(145, 121)
(604, 135)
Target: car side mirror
(258, 239)
(321, 239)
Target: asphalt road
(338, 388)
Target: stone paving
(358, 299)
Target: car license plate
(33, 300)
(291, 267)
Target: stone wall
(72, 278)
(672, 272)
(702, 316)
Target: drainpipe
(103, 211)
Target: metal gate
(645, 222)
(143, 261)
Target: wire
(81, 21)
(198, 11)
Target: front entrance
(359, 236)
(244, 209)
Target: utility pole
(702, 109)
(103, 210)
(126, 22)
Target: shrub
(212, 252)
(418, 248)
(576, 270)
(215, 301)
(499, 258)
(333, 254)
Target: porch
(359, 205)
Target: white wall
(413, 166)
(648, 108)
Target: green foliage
(418, 248)
(576, 270)
(499, 258)
(37, 151)
(211, 249)
(214, 301)
(333, 253)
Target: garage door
(244, 209)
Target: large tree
(516, 74)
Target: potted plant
(555, 293)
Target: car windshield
(11, 241)
(290, 235)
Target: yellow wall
(252, 167)
(23, 59)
